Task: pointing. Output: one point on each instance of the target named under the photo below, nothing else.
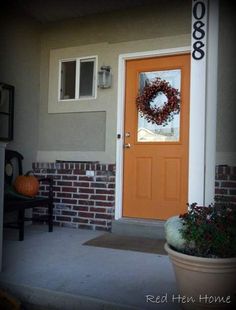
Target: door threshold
(147, 228)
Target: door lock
(127, 134)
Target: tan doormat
(113, 241)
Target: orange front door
(155, 184)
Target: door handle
(127, 146)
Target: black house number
(199, 11)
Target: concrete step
(35, 298)
(139, 227)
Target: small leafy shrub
(210, 231)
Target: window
(77, 79)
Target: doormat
(130, 243)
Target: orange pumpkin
(27, 184)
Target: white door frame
(120, 114)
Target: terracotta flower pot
(204, 283)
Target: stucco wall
(92, 135)
(107, 35)
(226, 124)
(20, 67)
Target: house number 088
(199, 11)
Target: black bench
(14, 202)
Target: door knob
(127, 134)
(127, 146)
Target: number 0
(199, 10)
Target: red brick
(63, 218)
(56, 189)
(55, 177)
(101, 179)
(104, 204)
(112, 167)
(100, 210)
(71, 213)
(64, 171)
(103, 216)
(77, 220)
(86, 214)
(111, 198)
(86, 202)
(81, 184)
(101, 173)
(69, 201)
(64, 195)
(79, 172)
(221, 177)
(228, 184)
(69, 189)
(85, 178)
(80, 208)
(222, 169)
(99, 185)
(82, 166)
(98, 167)
(80, 196)
(104, 191)
(98, 197)
(232, 192)
(64, 183)
(220, 191)
(86, 190)
(97, 222)
(69, 177)
(112, 185)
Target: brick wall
(225, 184)
(84, 193)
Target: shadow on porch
(56, 271)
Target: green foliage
(210, 231)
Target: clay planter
(204, 283)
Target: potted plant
(201, 245)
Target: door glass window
(170, 131)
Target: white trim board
(120, 113)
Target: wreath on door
(158, 115)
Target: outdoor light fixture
(104, 77)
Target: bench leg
(50, 217)
(21, 216)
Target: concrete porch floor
(55, 271)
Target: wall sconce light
(104, 77)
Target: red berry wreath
(158, 115)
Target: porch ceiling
(54, 10)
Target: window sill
(78, 105)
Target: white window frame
(77, 78)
